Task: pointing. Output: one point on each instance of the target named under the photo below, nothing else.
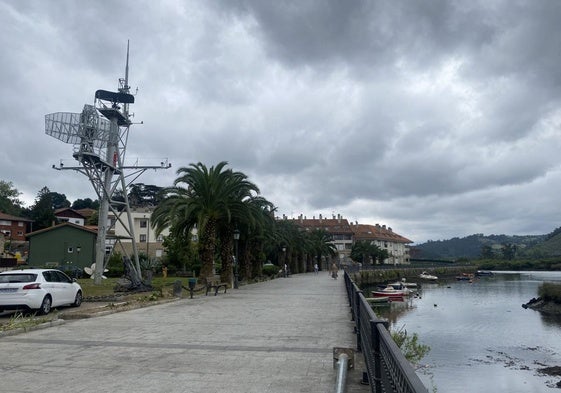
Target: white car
(38, 289)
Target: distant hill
(474, 246)
(550, 247)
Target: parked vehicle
(38, 289)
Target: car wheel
(77, 299)
(46, 306)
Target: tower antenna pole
(100, 135)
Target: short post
(177, 288)
(343, 360)
(192, 283)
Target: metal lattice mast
(100, 136)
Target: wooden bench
(215, 284)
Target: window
(159, 253)
(20, 223)
(143, 223)
(4, 222)
(20, 233)
(143, 238)
(160, 238)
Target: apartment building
(147, 242)
(345, 234)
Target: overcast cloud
(436, 118)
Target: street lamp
(284, 267)
(236, 239)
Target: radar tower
(100, 135)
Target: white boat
(404, 284)
(390, 292)
(426, 276)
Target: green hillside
(478, 245)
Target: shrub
(270, 270)
(409, 345)
(550, 291)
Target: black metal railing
(387, 368)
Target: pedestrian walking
(316, 268)
(334, 271)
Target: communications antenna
(100, 135)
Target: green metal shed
(66, 246)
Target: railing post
(358, 320)
(377, 354)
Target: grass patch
(550, 291)
(106, 288)
(20, 321)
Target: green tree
(59, 200)
(487, 252)
(9, 199)
(141, 195)
(320, 244)
(42, 210)
(86, 203)
(208, 199)
(509, 251)
(364, 251)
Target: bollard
(342, 373)
(343, 359)
(192, 283)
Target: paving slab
(273, 336)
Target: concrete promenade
(274, 336)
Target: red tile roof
(4, 216)
(377, 232)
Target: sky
(437, 118)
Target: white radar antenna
(100, 135)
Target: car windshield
(17, 277)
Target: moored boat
(465, 277)
(403, 284)
(381, 299)
(426, 276)
(391, 293)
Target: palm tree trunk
(207, 248)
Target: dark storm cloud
(437, 118)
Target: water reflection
(394, 310)
(481, 329)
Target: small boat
(484, 273)
(403, 284)
(426, 276)
(391, 293)
(464, 277)
(381, 299)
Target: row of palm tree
(218, 202)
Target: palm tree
(211, 201)
(321, 245)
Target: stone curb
(63, 317)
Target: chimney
(390, 229)
(320, 218)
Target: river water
(481, 338)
